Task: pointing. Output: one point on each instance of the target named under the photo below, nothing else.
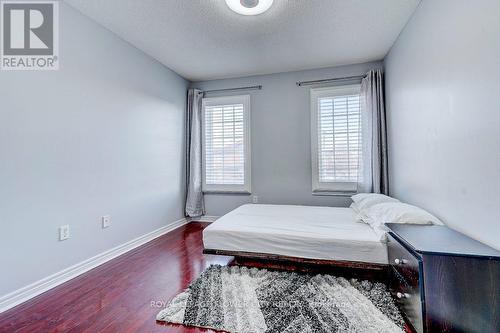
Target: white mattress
(328, 233)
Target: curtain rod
(259, 87)
(345, 78)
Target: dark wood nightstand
(444, 281)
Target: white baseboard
(204, 218)
(22, 295)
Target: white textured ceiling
(204, 39)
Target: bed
(299, 233)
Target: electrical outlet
(106, 221)
(64, 232)
(255, 199)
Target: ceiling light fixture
(249, 7)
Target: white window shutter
(226, 147)
(336, 138)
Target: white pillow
(360, 196)
(354, 207)
(359, 214)
(398, 212)
(371, 200)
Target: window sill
(333, 193)
(227, 192)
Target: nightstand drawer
(403, 261)
(408, 299)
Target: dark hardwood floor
(123, 295)
(126, 293)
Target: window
(336, 138)
(226, 144)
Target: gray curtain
(375, 176)
(195, 205)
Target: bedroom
(119, 190)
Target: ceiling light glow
(249, 7)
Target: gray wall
(444, 114)
(103, 135)
(281, 139)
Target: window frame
(246, 188)
(327, 188)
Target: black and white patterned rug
(250, 300)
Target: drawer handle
(402, 295)
(400, 261)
